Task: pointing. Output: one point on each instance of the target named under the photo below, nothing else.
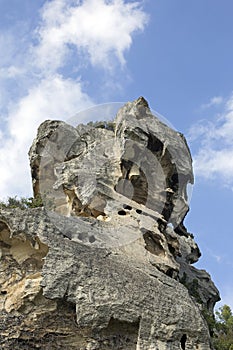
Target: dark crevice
(127, 207)
(153, 244)
(174, 182)
(161, 225)
(183, 341)
(169, 273)
(155, 145)
(172, 250)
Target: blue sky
(58, 57)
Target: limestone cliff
(106, 263)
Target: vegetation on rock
(108, 125)
(28, 203)
(223, 329)
(21, 203)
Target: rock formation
(106, 262)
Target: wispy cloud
(213, 141)
(214, 101)
(217, 257)
(40, 71)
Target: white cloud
(214, 101)
(210, 163)
(33, 86)
(53, 98)
(214, 156)
(101, 29)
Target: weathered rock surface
(106, 263)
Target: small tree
(225, 316)
(223, 338)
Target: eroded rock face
(106, 264)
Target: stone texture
(106, 263)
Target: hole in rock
(3, 292)
(92, 239)
(171, 249)
(183, 341)
(127, 207)
(154, 144)
(139, 211)
(121, 212)
(169, 272)
(82, 236)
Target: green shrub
(22, 203)
(210, 319)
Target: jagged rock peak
(106, 263)
(142, 102)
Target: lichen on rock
(107, 262)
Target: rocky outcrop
(106, 262)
